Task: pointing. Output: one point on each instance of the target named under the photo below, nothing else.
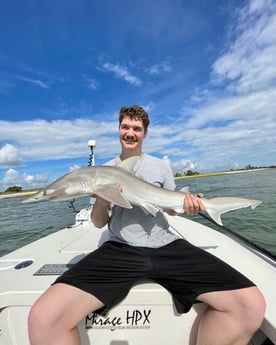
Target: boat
(147, 315)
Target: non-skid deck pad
(52, 269)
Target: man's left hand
(193, 204)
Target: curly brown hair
(135, 112)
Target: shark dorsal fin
(185, 190)
(128, 164)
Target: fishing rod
(240, 237)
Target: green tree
(14, 189)
(191, 173)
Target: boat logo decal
(128, 319)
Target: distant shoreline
(221, 173)
(13, 195)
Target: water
(21, 224)
(256, 225)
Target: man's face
(132, 134)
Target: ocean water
(21, 223)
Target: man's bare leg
(232, 317)
(54, 317)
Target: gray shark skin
(117, 185)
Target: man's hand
(193, 204)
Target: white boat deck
(146, 316)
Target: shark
(118, 185)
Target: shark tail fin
(217, 206)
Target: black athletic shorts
(183, 269)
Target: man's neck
(125, 155)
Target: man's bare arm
(100, 212)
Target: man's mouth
(129, 141)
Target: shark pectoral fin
(150, 209)
(112, 193)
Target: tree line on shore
(247, 167)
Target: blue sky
(205, 71)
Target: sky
(204, 70)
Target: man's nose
(130, 133)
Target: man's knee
(41, 323)
(246, 306)
(39, 320)
(253, 308)
(35, 324)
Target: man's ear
(146, 133)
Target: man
(139, 242)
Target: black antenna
(91, 162)
(91, 144)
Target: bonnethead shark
(118, 185)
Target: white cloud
(74, 167)
(248, 64)
(34, 181)
(231, 121)
(9, 155)
(92, 83)
(41, 140)
(10, 178)
(160, 68)
(13, 178)
(123, 73)
(37, 82)
(183, 165)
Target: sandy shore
(244, 171)
(12, 195)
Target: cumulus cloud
(183, 165)
(14, 178)
(11, 178)
(54, 140)
(9, 156)
(35, 180)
